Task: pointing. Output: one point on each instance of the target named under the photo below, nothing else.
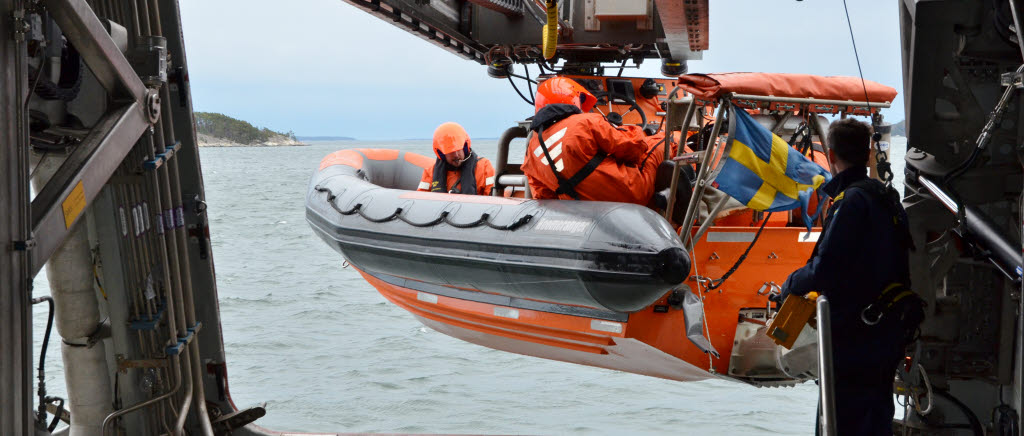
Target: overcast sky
(326, 68)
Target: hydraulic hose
(41, 413)
(986, 133)
(975, 423)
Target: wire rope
(855, 55)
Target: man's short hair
(851, 141)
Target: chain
(881, 161)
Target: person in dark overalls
(862, 253)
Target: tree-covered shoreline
(232, 130)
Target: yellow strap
(901, 296)
(550, 31)
(890, 287)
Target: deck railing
(826, 377)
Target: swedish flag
(763, 172)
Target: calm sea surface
(328, 353)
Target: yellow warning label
(73, 204)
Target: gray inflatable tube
(600, 255)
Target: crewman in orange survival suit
(458, 170)
(574, 154)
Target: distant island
(325, 138)
(219, 130)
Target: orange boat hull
(652, 341)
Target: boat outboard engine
(758, 360)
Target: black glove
(778, 298)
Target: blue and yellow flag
(763, 172)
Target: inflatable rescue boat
(602, 284)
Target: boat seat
(392, 168)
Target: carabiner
(864, 316)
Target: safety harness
(467, 176)
(886, 196)
(896, 301)
(552, 114)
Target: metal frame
(91, 164)
(714, 150)
(416, 20)
(115, 145)
(706, 159)
(676, 20)
(81, 26)
(15, 279)
(94, 161)
(798, 100)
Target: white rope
(928, 393)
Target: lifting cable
(856, 56)
(485, 219)
(881, 163)
(714, 284)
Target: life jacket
(467, 176)
(897, 304)
(554, 113)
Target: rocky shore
(273, 141)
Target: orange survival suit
(577, 155)
(457, 170)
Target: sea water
(327, 353)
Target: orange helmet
(565, 91)
(450, 137)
